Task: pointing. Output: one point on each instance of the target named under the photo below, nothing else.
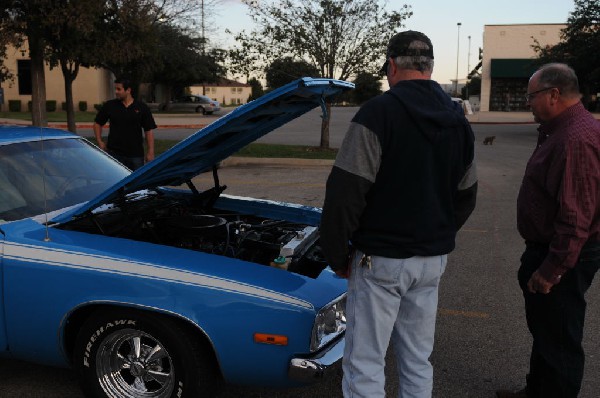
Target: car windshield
(42, 176)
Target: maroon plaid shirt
(559, 200)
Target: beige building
(93, 86)
(507, 63)
(227, 92)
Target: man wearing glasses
(558, 215)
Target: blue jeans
(132, 163)
(394, 300)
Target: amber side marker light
(265, 338)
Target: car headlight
(329, 323)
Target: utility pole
(468, 69)
(202, 25)
(203, 38)
(457, 55)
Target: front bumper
(315, 367)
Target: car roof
(10, 134)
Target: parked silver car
(196, 103)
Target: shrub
(63, 106)
(50, 105)
(97, 107)
(14, 105)
(83, 106)
(29, 106)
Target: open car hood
(220, 139)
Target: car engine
(196, 225)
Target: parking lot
(482, 343)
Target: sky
(438, 19)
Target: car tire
(199, 109)
(134, 354)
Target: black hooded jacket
(404, 181)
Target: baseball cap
(399, 46)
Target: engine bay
(193, 223)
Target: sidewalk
(501, 118)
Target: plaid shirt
(559, 199)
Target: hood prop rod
(216, 177)
(192, 187)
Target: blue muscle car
(149, 286)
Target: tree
(71, 32)
(180, 62)
(367, 86)
(473, 87)
(284, 70)
(5, 73)
(22, 21)
(579, 46)
(5, 38)
(257, 89)
(119, 35)
(339, 37)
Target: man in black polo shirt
(128, 117)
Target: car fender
(49, 280)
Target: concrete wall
(512, 41)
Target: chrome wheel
(133, 364)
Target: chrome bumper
(315, 367)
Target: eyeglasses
(529, 96)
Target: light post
(468, 69)
(469, 57)
(457, 54)
(202, 21)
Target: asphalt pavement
(482, 343)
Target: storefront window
(508, 95)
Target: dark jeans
(555, 321)
(132, 163)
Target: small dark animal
(489, 140)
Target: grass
(265, 150)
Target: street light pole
(469, 57)
(457, 54)
(202, 21)
(468, 69)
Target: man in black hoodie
(403, 184)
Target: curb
(478, 122)
(235, 161)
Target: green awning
(513, 68)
